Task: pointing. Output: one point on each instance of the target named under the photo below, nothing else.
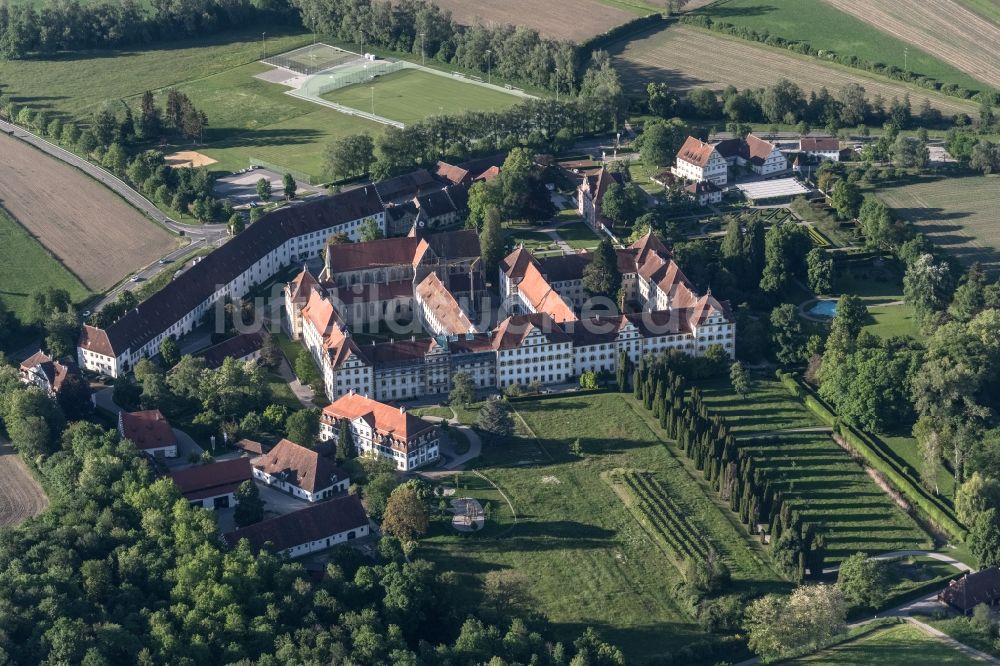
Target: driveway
(453, 461)
(277, 503)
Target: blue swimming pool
(824, 309)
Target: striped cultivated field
(686, 58)
(943, 28)
(573, 20)
(20, 495)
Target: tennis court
(311, 59)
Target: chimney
(352, 392)
(402, 410)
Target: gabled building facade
(382, 430)
(300, 472)
(700, 161)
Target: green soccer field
(411, 95)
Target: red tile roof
(394, 422)
(442, 304)
(696, 152)
(300, 466)
(347, 257)
(214, 479)
(757, 149)
(304, 526)
(147, 430)
(513, 330)
(819, 144)
(542, 297)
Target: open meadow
(411, 95)
(573, 20)
(686, 58)
(943, 28)
(26, 266)
(85, 226)
(899, 644)
(590, 557)
(957, 213)
(848, 27)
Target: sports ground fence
(312, 59)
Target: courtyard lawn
(893, 320)
(956, 212)
(900, 644)
(588, 560)
(411, 95)
(579, 236)
(26, 266)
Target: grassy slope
(961, 629)
(957, 213)
(411, 95)
(26, 266)
(901, 644)
(247, 117)
(827, 28)
(587, 559)
(832, 490)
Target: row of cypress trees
(731, 470)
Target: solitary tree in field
(495, 418)
(264, 189)
(289, 186)
(405, 515)
(740, 378)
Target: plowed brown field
(686, 58)
(88, 228)
(573, 20)
(20, 495)
(943, 28)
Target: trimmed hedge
(928, 506)
(922, 590)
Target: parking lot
(241, 188)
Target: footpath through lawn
(589, 561)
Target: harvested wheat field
(686, 58)
(943, 28)
(87, 227)
(20, 495)
(573, 20)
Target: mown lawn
(588, 560)
(835, 495)
(832, 490)
(888, 321)
(900, 644)
(26, 266)
(767, 407)
(962, 630)
(579, 236)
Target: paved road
(200, 235)
(475, 443)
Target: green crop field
(825, 27)
(588, 559)
(411, 95)
(900, 644)
(988, 9)
(26, 266)
(957, 213)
